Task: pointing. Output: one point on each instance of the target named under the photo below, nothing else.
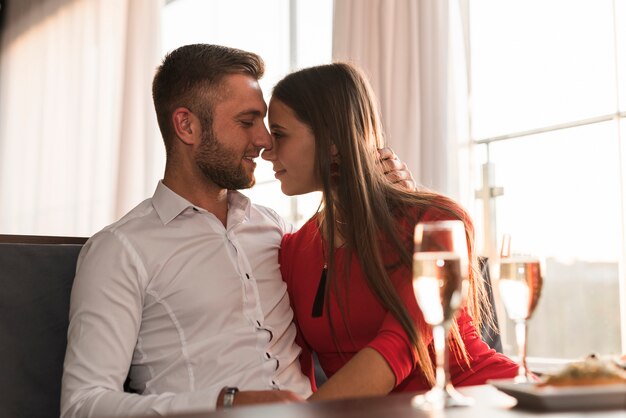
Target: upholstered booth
(36, 275)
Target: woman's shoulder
(299, 250)
(307, 232)
(414, 214)
(436, 214)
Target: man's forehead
(244, 93)
(241, 84)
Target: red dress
(370, 325)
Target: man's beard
(215, 161)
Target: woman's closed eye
(277, 135)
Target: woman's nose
(269, 154)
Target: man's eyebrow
(250, 112)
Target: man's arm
(252, 397)
(105, 318)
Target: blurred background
(516, 108)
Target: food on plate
(591, 371)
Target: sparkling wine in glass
(440, 270)
(520, 287)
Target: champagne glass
(520, 287)
(440, 282)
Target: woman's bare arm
(366, 374)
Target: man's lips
(250, 160)
(278, 173)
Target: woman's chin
(288, 192)
(291, 191)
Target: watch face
(229, 396)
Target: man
(184, 294)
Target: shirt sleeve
(105, 316)
(486, 363)
(393, 343)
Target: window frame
(490, 191)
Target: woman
(348, 269)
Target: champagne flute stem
(520, 334)
(439, 340)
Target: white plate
(552, 398)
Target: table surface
(489, 403)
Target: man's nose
(269, 153)
(263, 139)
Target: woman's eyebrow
(276, 126)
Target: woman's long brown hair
(337, 103)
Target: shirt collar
(168, 205)
(238, 208)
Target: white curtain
(405, 46)
(79, 144)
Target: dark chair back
(36, 275)
(489, 335)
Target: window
(548, 102)
(288, 34)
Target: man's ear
(186, 125)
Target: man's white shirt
(188, 305)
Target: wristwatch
(229, 396)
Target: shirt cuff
(396, 352)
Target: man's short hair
(191, 77)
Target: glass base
(523, 378)
(438, 398)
